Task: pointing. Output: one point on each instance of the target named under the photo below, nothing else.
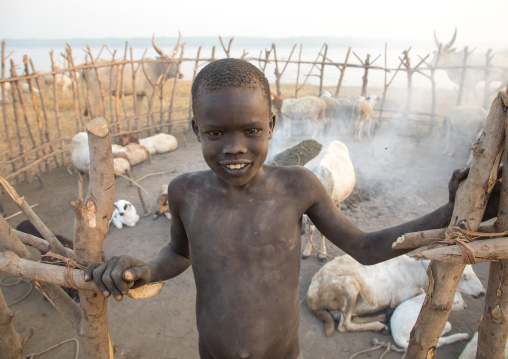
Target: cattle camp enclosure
(39, 124)
(40, 113)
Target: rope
(378, 345)
(67, 262)
(461, 237)
(19, 280)
(31, 355)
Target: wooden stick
(493, 329)
(416, 240)
(62, 276)
(90, 228)
(62, 302)
(12, 344)
(38, 224)
(484, 251)
(471, 199)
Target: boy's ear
(195, 128)
(273, 121)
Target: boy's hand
(117, 275)
(493, 203)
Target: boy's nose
(234, 145)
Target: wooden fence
(42, 111)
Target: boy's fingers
(108, 280)
(88, 272)
(458, 175)
(97, 276)
(140, 275)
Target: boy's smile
(234, 126)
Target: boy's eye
(252, 131)
(215, 133)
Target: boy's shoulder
(292, 175)
(189, 180)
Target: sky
(478, 22)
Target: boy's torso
(245, 249)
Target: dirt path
(399, 178)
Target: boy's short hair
(226, 73)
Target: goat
(121, 166)
(301, 110)
(469, 351)
(134, 152)
(333, 110)
(461, 127)
(362, 113)
(124, 214)
(159, 143)
(335, 170)
(80, 154)
(163, 203)
(344, 284)
(405, 315)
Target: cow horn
(435, 39)
(177, 46)
(157, 48)
(164, 53)
(450, 44)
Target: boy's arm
(174, 258)
(118, 274)
(374, 247)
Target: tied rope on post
(461, 237)
(69, 263)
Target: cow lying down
(356, 290)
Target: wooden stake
(471, 199)
(493, 330)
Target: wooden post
(12, 344)
(90, 229)
(493, 330)
(471, 199)
(488, 65)
(175, 81)
(322, 69)
(463, 82)
(342, 73)
(365, 77)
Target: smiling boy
(238, 224)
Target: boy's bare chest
(245, 225)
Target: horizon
(390, 20)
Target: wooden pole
(493, 330)
(4, 108)
(471, 199)
(91, 227)
(12, 344)
(322, 69)
(342, 73)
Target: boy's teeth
(235, 166)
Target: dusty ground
(399, 178)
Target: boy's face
(234, 126)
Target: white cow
(406, 314)
(335, 170)
(462, 125)
(453, 61)
(345, 285)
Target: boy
(239, 224)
